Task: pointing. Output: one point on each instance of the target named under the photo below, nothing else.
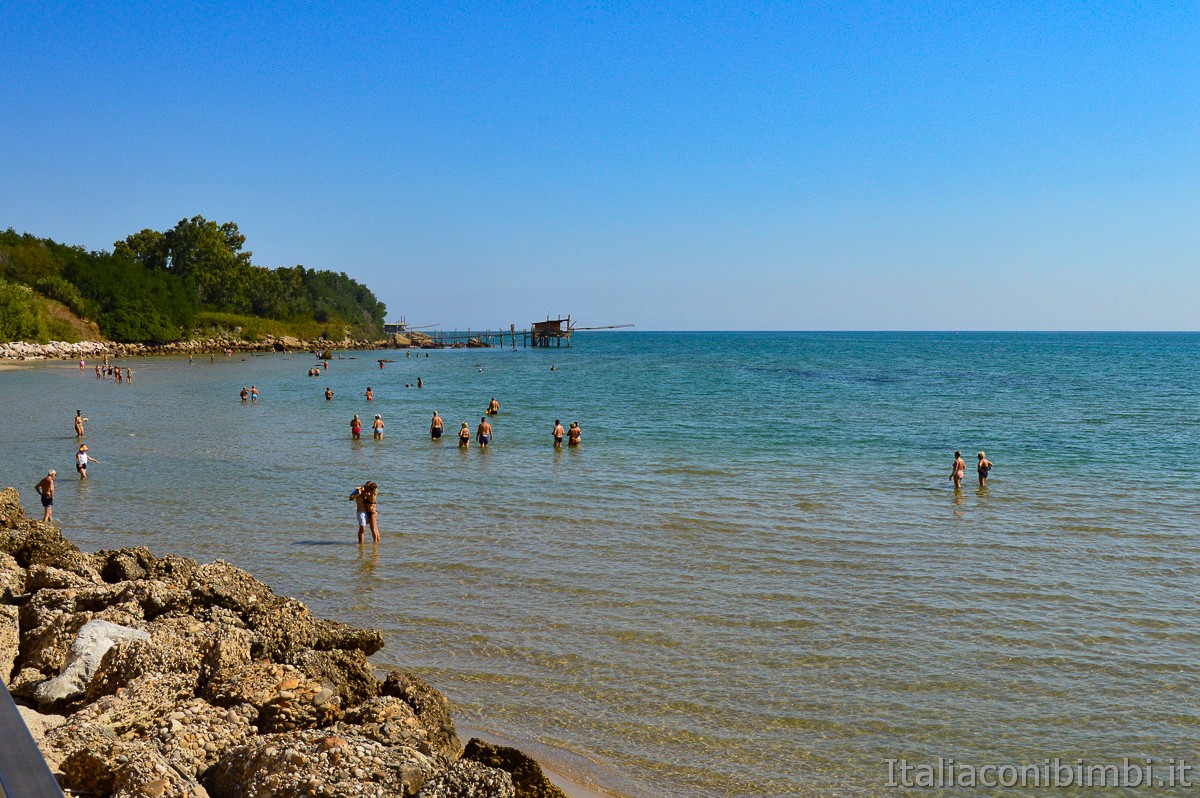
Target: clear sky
(791, 166)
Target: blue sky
(674, 165)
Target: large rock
(527, 777)
(467, 779)
(12, 577)
(195, 735)
(347, 673)
(94, 639)
(10, 641)
(280, 624)
(431, 708)
(284, 698)
(314, 762)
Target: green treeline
(155, 287)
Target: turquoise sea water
(753, 578)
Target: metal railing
(23, 770)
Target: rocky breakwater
(145, 675)
(62, 350)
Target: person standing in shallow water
(958, 470)
(79, 419)
(82, 458)
(484, 433)
(984, 467)
(45, 489)
(355, 427)
(574, 434)
(370, 396)
(328, 393)
(378, 427)
(364, 497)
(436, 426)
(464, 436)
(558, 434)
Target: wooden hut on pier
(541, 333)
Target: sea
(752, 578)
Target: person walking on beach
(378, 427)
(558, 434)
(484, 433)
(464, 436)
(435, 426)
(45, 489)
(574, 434)
(355, 427)
(984, 468)
(79, 419)
(328, 393)
(82, 458)
(958, 470)
(364, 498)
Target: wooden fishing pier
(539, 334)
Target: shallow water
(753, 578)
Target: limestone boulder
(12, 577)
(91, 643)
(10, 641)
(193, 737)
(314, 762)
(431, 708)
(527, 777)
(348, 673)
(467, 779)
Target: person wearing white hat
(82, 458)
(378, 427)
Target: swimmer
(355, 427)
(435, 426)
(464, 436)
(79, 419)
(45, 489)
(381, 363)
(957, 470)
(574, 434)
(377, 426)
(328, 393)
(484, 433)
(558, 434)
(364, 498)
(984, 467)
(420, 383)
(82, 458)
(128, 375)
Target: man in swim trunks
(435, 426)
(484, 433)
(253, 394)
(558, 434)
(958, 470)
(984, 467)
(493, 407)
(45, 489)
